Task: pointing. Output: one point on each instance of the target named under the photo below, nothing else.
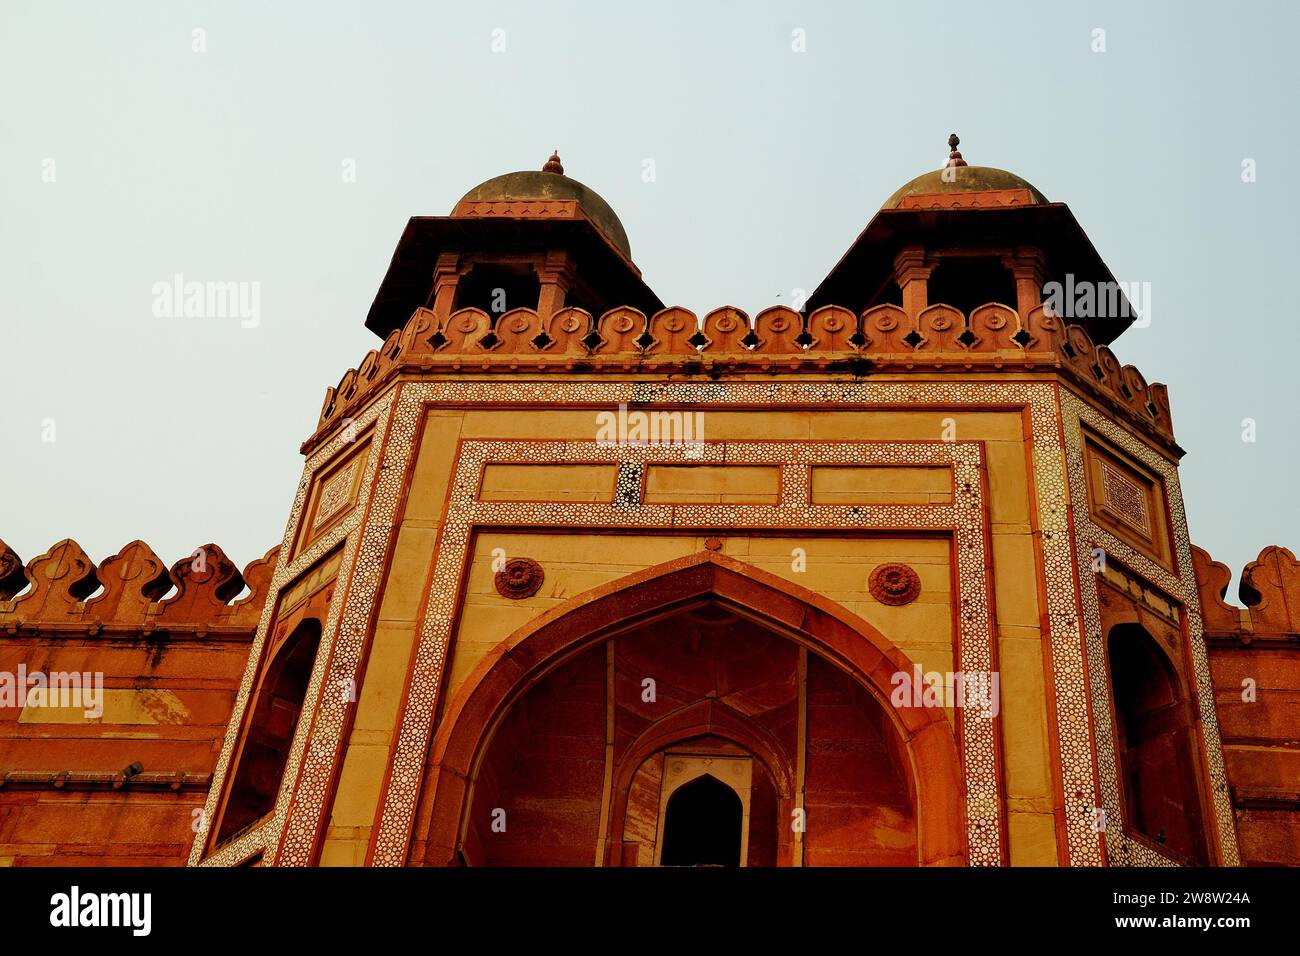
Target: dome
(957, 177)
(967, 179)
(550, 184)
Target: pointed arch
(276, 708)
(804, 617)
(705, 718)
(1155, 737)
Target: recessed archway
(844, 643)
(1156, 743)
(276, 708)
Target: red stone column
(912, 273)
(1028, 267)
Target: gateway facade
(576, 578)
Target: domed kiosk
(535, 239)
(957, 235)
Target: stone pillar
(446, 275)
(1028, 267)
(556, 275)
(912, 273)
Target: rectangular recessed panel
(881, 485)
(1127, 500)
(75, 699)
(548, 482)
(713, 484)
(333, 496)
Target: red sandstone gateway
(503, 630)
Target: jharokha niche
(573, 577)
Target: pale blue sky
(226, 165)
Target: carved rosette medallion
(894, 584)
(520, 578)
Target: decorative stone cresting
(832, 338)
(520, 578)
(63, 591)
(1269, 589)
(894, 584)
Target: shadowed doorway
(702, 826)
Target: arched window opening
(270, 733)
(1154, 730)
(967, 282)
(702, 825)
(498, 287)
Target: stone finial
(553, 164)
(954, 157)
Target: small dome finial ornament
(553, 164)
(954, 158)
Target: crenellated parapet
(1269, 589)
(777, 340)
(131, 592)
(1252, 656)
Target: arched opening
(1155, 735)
(702, 825)
(498, 287)
(557, 751)
(708, 737)
(601, 740)
(265, 749)
(967, 282)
